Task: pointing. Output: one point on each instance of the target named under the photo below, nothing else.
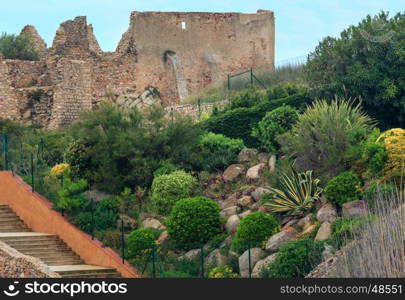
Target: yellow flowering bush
(394, 143)
(222, 272)
(59, 170)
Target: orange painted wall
(37, 213)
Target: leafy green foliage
(323, 133)
(343, 188)
(222, 272)
(168, 189)
(298, 193)
(368, 156)
(295, 259)
(218, 151)
(275, 122)
(72, 197)
(17, 47)
(238, 123)
(253, 230)
(193, 222)
(140, 243)
(123, 148)
(343, 230)
(165, 169)
(365, 61)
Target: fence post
(202, 261)
(153, 261)
(5, 146)
(199, 108)
(92, 219)
(250, 263)
(229, 81)
(122, 241)
(251, 76)
(32, 173)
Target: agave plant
(298, 193)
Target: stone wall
(163, 57)
(14, 264)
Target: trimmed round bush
(394, 143)
(275, 122)
(222, 272)
(295, 259)
(140, 242)
(343, 188)
(254, 230)
(167, 189)
(193, 222)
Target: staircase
(47, 247)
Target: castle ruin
(163, 57)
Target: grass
(219, 92)
(378, 250)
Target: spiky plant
(298, 193)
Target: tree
(367, 61)
(17, 47)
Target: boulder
(324, 232)
(232, 223)
(356, 208)
(306, 221)
(279, 239)
(230, 211)
(258, 193)
(192, 254)
(233, 172)
(262, 264)
(247, 155)
(272, 163)
(244, 214)
(245, 201)
(255, 255)
(228, 202)
(263, 157)
(163, 237)
(226, 242)
(254, 173)
(152, 223)
(327, 213)
(215, 259)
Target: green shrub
(253, 230)
(77, 156)
(72, 197)
(378, 191)
(322, 135)
(17, 47)
(141, 242)
(239, 122)
(175, 274)
(218, 151)
(193, 222)
(275, 122)
(298, 193)
(295, 259)
(364, 62)
(168, 189)
(343, 188)
(166, 168)
(343, 230)
(110, 238)
(222, 272)
(368, 157)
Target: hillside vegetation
(284, 177)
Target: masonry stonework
(163, 57)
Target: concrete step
(85, 271)
(30, 246)
(62, 262)
(16, 230)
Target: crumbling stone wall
(163, 57)
(14, 264)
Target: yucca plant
(298, 193)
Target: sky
(300, 24)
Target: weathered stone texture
(167, 54)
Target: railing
(252, 78)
